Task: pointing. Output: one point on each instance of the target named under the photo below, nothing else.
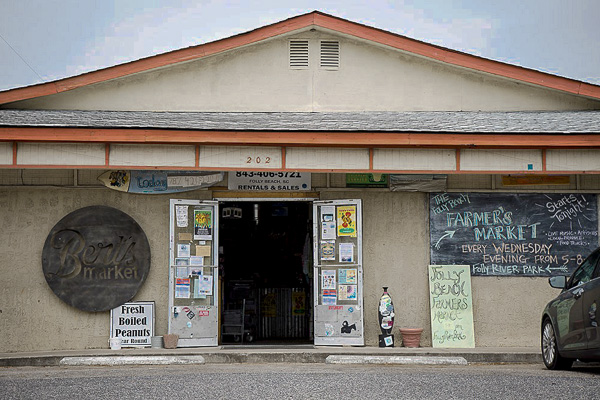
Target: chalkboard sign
(501, 234)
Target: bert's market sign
(133, 323)
(96, 258)
(269, 181)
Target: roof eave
(317, 19)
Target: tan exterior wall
(396, 254)
(258, 78)
(31, 316)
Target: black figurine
(347, 328)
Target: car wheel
(550, 354)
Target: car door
(591, 303)
(571, 323)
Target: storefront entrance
(266, 272)
(265, 264)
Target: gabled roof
(302, 22)
(531, 122)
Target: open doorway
(266, 270)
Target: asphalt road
(299, 381)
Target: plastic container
(115, 343)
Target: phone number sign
(266, 181)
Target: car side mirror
(558, 282)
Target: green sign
(451, 305)
(367, 180)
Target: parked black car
(570, 327)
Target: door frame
(258, 199)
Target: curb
(131, 360)
(396, 360)
(318, 356)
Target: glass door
(194, 272)
(337, 249)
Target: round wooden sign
(96, 258)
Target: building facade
(420, 140)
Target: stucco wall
(31, 316)
(258, 78)
(396, 240)
(506, 310)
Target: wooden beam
(337, 171)
(107, 154)
(300, 139)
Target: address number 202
(258, 160)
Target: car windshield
(583, 274)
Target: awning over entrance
(379, 142)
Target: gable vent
(298, 53)
(330, 54)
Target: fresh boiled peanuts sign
(96, 258)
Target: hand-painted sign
(513, 234)
(157, 182)
(451, 305)
(96, 258)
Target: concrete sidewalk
(271, 354)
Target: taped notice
(182, 216)
(203, 251)
(185, 237)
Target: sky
(46, 40)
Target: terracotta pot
(411, 337)
(170, 341)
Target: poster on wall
(329, 297)
(328, 279)
(451, 305)
(198, 294)
(298, 303)
(347, 276)
(327, 250)
(346, 221)
(268, 305)
(328, 226)
(206, 285)
(182, 261)
(196, 260)
(513, 234)
(347, 292)
(183, 251)
(347, 252)
(182, 288)
(203, 224)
